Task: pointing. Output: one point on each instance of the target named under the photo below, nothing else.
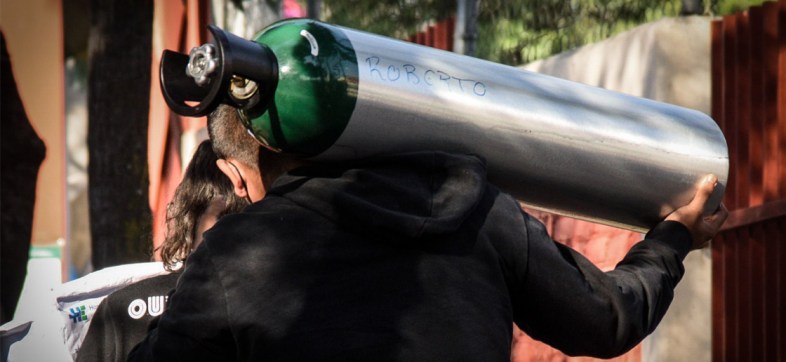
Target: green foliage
(538, 28)
(518, 31)
(725, 7)
(396, 18)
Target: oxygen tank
(331, 93)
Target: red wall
(749, 103)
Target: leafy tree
(518, 31)
(395, 18)
(538, 28)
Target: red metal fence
(437, 35)
(749, 104)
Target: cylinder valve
(231, 70)
(202, 63)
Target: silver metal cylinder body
(556, 145)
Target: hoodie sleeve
(570, 304)
(194, 326)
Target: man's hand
(702, 228)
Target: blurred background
(91, 155)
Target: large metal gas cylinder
(332, 93)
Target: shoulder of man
(253, 222)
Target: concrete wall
(669, 61)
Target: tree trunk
(314, 9)
(22, 152)
(692, 7)
(466, 31)
(119, 54)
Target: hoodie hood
(413, 194)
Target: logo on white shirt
(154, 307)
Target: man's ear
(234, 176)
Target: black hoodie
(408, 258)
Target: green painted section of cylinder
(315, 95)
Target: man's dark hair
(231, 140)
(203, 183)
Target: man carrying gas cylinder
(404, 256)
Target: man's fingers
(704, 191)
(719, 217)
